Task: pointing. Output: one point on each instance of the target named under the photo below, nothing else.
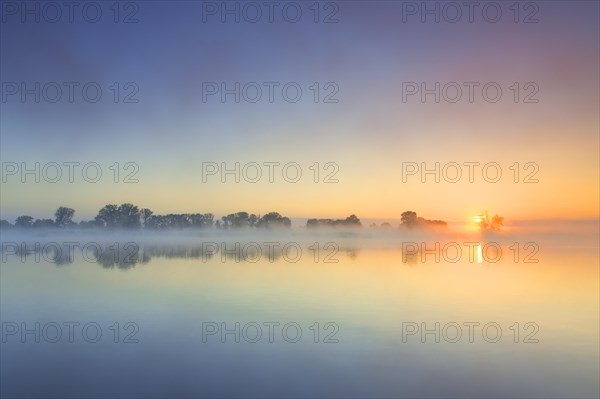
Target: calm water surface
(354, 315)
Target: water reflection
(377, 287)
(128, 254)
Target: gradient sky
(369, 133)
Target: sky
(364, 131)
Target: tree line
(350, 221)
(129, 216)
(411, 220)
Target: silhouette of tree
(146, 213)
(240, 219)
(156, 222)
(201, 220)
(312, 223)
(64, 217)
(129, 216)
(108, 216)
(179, 221)
(411, 220)
(493, 224)
(24, 221)
(243, 219)
(350, 221)
(5, 224)
(273, 219)
(124, 216)
(253, 220)
(497, 223)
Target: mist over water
(220, 312)
(299, 199)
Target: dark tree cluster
(411, 220)
(129, 216)
(63, 217)
(126, 216)
(494, 223)
(178, 221)
(350, 221)
(243, 219)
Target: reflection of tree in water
(126, 255)
(46, 252)
(174, 251)
(409, 258)
(121, 255)
(63, 258)
(352, 253)
(239, 252)
(250, 252)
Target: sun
(477, 218)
